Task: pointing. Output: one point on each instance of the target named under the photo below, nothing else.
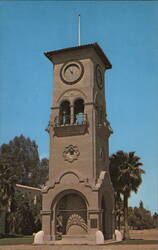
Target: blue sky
(128, 34)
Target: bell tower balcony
(69, 125)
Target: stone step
(76, 239)
(75, 236)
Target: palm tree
(118, 210)
(126, 177)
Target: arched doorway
(71, 215)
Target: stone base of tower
(75, 208)
(74, 240)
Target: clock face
(71, 72)
(99, 76)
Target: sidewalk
(81, 247)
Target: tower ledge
(53, 56)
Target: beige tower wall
(86, 177)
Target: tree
(42, 172)
(126, 177)
(118, 210)
(132, 218)
(155, 220)
(20, 163)
(8, 175)
(139, 217)
(21, 219)
(21, 155)
(25, 153)
(145, 217)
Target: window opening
(64, 116)
(79, 111)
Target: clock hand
(71, 71)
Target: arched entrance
(71, 215)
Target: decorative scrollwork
(71, 153)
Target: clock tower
(78, 198)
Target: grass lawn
(17, 241)
(26, 240)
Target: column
(46, 224)
(72, 118)
(94, 221)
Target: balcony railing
(68, 125)
(68, 120)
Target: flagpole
(79, 31)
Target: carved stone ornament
(76, 219)
(71, 153)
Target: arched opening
(103, 216)
(71, 215)
(79, 111)
(64, 113)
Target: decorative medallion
(71, 153)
